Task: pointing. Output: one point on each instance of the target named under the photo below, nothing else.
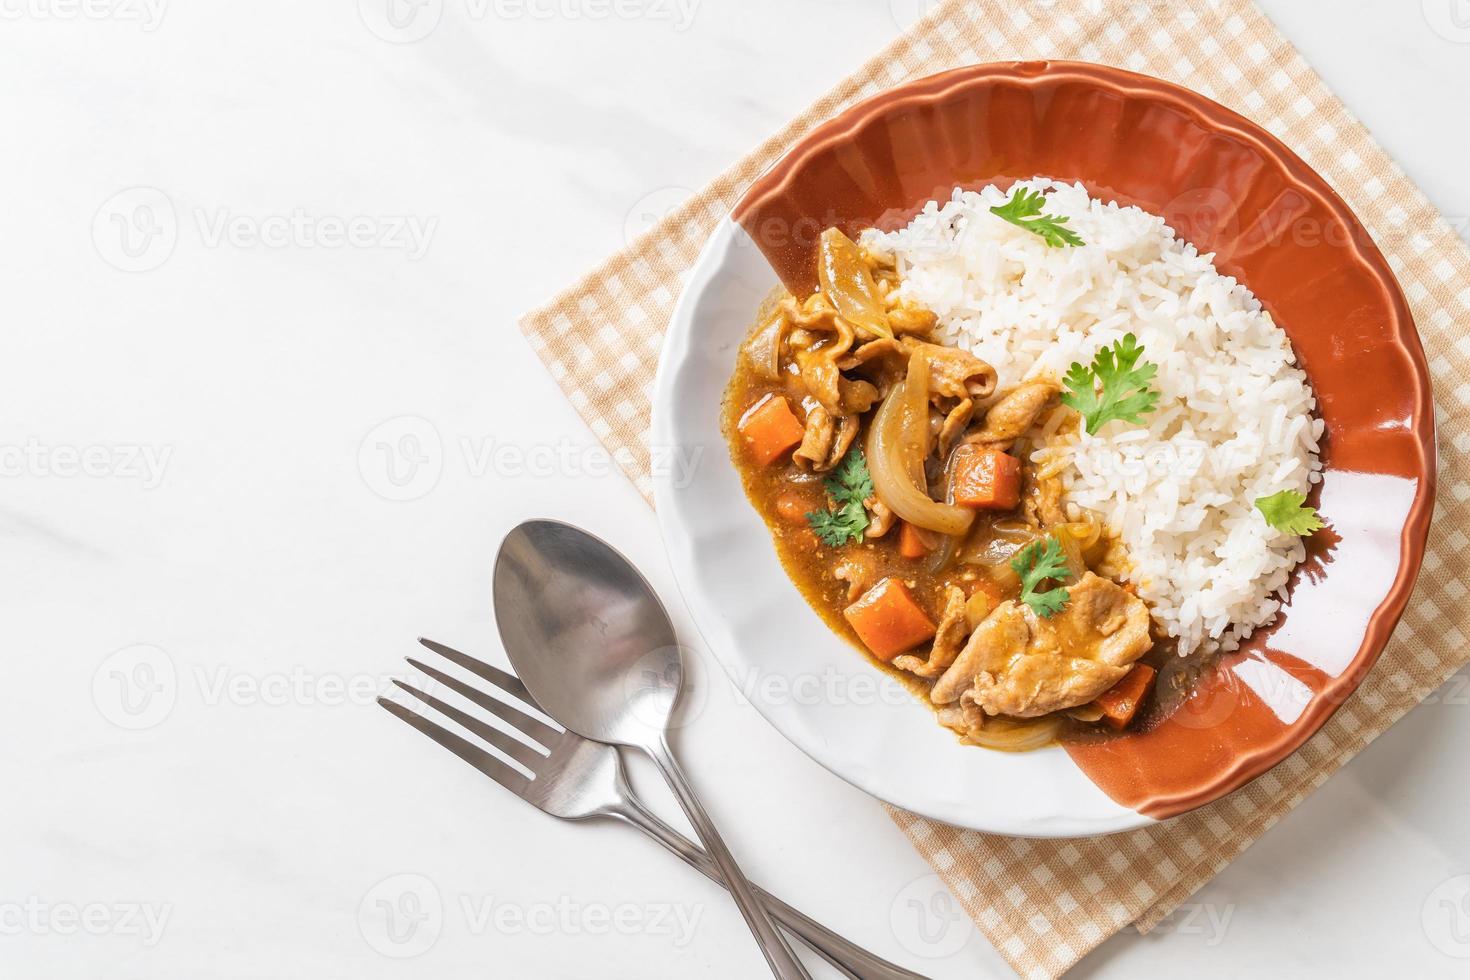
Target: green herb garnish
(1125, 387)
(1037, 563)
(848, 486)
(839, 527)
(1024, 211)
(1287, 511)
(850, 482)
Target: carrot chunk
(770, 429)
(1121, 702)
(889, 621)
(912, 542)
(985, 478)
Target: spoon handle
(845, 955)
(783, 962)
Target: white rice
(1234, 421)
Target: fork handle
(851, 959)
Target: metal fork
(579, 779)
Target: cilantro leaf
(850, 481)
(849, 485)
(1024, 211)
(842, 526)
(1286, 511)
(1036, 563)
(1125, 387)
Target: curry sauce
(845, 415)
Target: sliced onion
(890, 465)
(1005, 577)
(1071, 550)
(764, 347)
(916, 417)
(944, 553)
(996, 543)
(1018, 734)
(847, 283)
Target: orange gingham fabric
(1045, 904)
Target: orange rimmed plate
(1227, 186)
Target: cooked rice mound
(1234, 421)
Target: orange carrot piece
(1121, 702)
(911, 542)
(889, 621)
(770, 429)
(985, 478)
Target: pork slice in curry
(897, 477)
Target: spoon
(593, 644)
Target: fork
(578, 779)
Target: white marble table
(210, 568)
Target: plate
(1224, 184)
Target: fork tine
(507, 776)
(509, 683)
(533, 727)
(513, 747)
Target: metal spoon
(593, 644)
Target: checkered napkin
(1044, 904)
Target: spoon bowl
(593, 644)
(607, 663)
